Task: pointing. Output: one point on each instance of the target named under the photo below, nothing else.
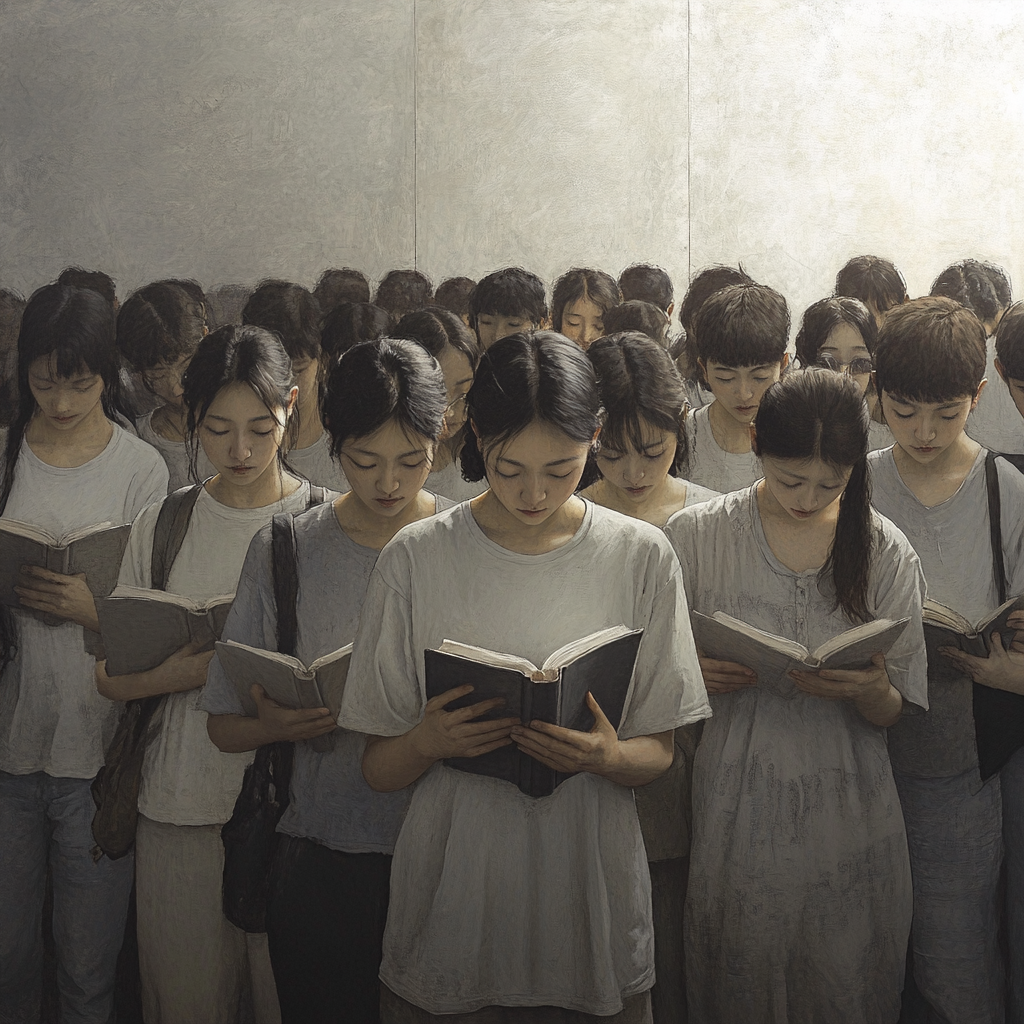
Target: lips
(531, 511)
(387, 502)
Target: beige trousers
(196, 966)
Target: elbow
(215, 730)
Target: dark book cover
(606, 672)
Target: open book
(729, 639)
(95, 550)
(142, 628)
(998, 714)
(287, 680)
(556, 692)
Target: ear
(753, 440)
(671, 307)
(784, 363)
(977, 394)
(1001, 370)
(293, 397)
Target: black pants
(325, 922)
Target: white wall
(823, 130)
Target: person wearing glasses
(839, 334)
(158, 330)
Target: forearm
(394, 762)
(882, 710)
(640, 760)
(133, 685)
(235, 734)
(88, 618)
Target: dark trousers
(668, 897)
(326, 912)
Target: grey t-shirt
(175, 455)
(711, 465)
(996, 423)
(317, 466)
(953, 542)
(331, 802)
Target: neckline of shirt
(497, 550)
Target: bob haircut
(402, 291)
(818, 414)
(824, 316)
(436, 329)
(874, 281)
(703, 286)
(639, 382)
(247, 355)
(637, 315)
(930, 350)
(94, 280)
(377, 381)
(160, 323)
(338, 286)
(982, 287)
(1010, 341)
(454, 294)
(743, 325)
(509, 292)
(290, 312)
(646, 283)
(526, 377)
(582, 283)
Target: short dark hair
(982, 287)
(454, 294)
(637, 315)
(436, 329)
(743, 325)
(530, 376)
(583, 283)
(930, 350)
(351, 323)
(402, 291)
(704, 284)
(648, 284)
(160, 323)
(291, 312)
(509, 292)
(225, 304)
(824, 316)
(94, 280)
(1010, 342)
(377, 381)
(338, 286)
(872, 280)
(638, 381)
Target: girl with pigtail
(799, 900)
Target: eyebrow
(556, 462)
(376, 455)
(227, 419)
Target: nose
(534, 491)
(589, 335)
(239, 450)
(634, 472)
(926, 429)
(387, 483)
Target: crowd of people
(743, 843)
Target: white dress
(799, 901)
(498, 898)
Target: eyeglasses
(453, 405)
(856, 368)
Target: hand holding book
(725, 676)
(1003, 669)
(442, 734)
(56, 594)
(282, 724)
(868, 689)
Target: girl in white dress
(505, 907)
(799, 902)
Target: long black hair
(533, 375)
(822, 415)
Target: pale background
(236, 139)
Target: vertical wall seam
(415, 141)
(689, 155)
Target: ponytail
(850, 558)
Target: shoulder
(634, 546)
(729, 511)
(441, 503)
(891, 545)
(1011, 479)
(135, 450)
(439, 535)
(695, 494)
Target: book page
(485, 657)
(567, 654)
(854, 636)
(937, 614)
(856, 647)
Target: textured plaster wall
(821, 130)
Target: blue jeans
(44, 818)
(954, 832)
(1012, 781)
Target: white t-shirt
(175, 454)
(498, 898)
(52, 719)
(186, 780)
(449, 483)
(317, 466)
(711, 465)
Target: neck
(649, 509)
(171, 421)
(444, 455)
(500, 526)
(731, 435)
(310, 426)
(94, 430)
(782, 522)
(272, 485)
(371, 530)
(952, 464)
